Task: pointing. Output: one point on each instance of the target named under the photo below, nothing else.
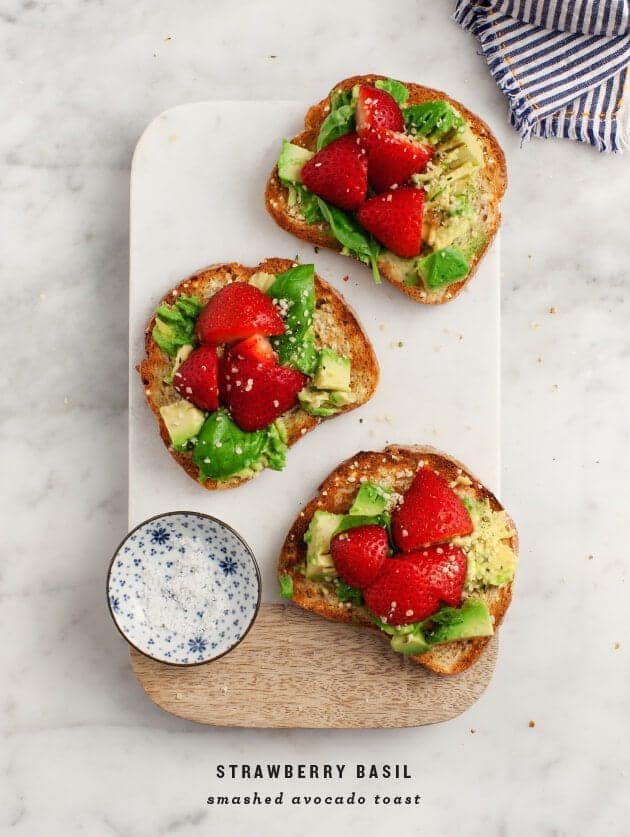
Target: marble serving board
(197, 187)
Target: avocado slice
(183, 421)
(371, 499)
(319, 562)
(412, 643)
(352, 521)
(471, 620)
(443, 267)
(291, 160)
(332, 372)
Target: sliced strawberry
(196, 380)
(338, 173)
(395, 219)
(444, 568)
(257, 393)
(393, 157)
(377, 109)
(237, 311)
(256, 348)
(359, 553)
(430, 513)
(400, 593)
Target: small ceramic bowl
(183, 588)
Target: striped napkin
(561, 63)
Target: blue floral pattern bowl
(183, 588)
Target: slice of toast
(335, 326)
(491, 185)
(394, 467)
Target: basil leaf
(286, 586)
(396, 89)
(353, 238)
(223, 448)
(296, 347)
(432, 120)
(345, 593)
(175, 324)
(340, 120)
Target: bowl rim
(210, 517)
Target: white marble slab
(83, 751)
(197, 189)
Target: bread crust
(333, 316)
(394, 466)
(494, 172)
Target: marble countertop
(84, 751)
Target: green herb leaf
(223, 449)
(432, 120)
(340, 120)
(353, 238)
(286, 586)
(345, 593)
(299, 195)
(296, 347)
(396, 89)
(175, 324)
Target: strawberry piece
(393, 157)
(256, 348)
(395, 219)
(359, 554)
(338, 173)
(430, 513)
(400, 593)
(257, 393)
(377, 109)
(196, 380)
(237, 311)
(444, 568)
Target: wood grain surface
(295, 669)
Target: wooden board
(279, 677)
(191, 200)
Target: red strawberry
(256, 348)
(338, 173)
(395, 219)
(196, 380)
(430, 513)
(400, 593)
(258, 393)
(393, 157)
(444, 568)
(237, 311)
(359, 554)
(376, 108)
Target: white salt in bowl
(183, 588)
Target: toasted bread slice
(394, 467)
(491, 185)
(335, 326)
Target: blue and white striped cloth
(561, 63)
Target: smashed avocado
(332, 371)
(372, 499)
(175, 324)
(322, 403)
(329, 389)
(491, 560)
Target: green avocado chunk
(332, 372)
(291, 160)
(175, 324)
(443, 267)
(223, 449)
(371, 499)
(286, 585)
(471, 620)
(412, 643)
(352, 521)
(319, 562)
(183, 421)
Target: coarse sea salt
(188, 599)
